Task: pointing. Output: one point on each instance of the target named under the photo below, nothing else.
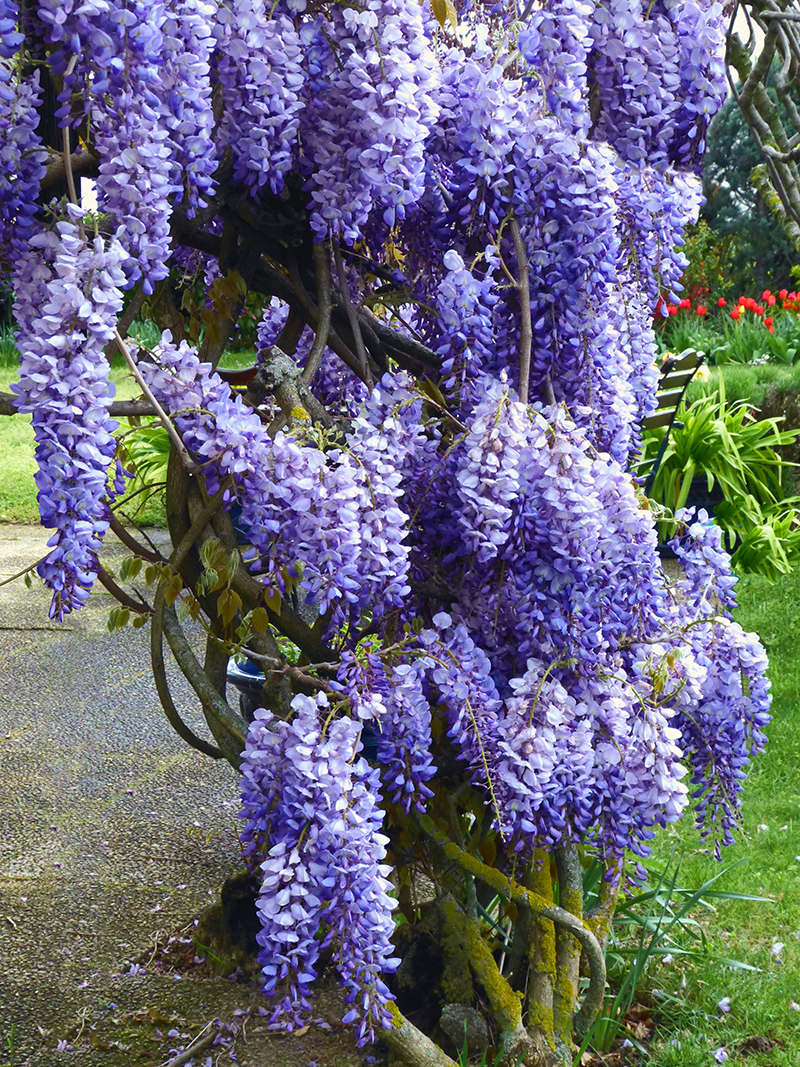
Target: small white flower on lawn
(776, 950)
(794, 1005)
(725, 1004)
(669, 958)
(762, 828)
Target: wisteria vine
(480, 214)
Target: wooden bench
(676, 373)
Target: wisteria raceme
(660, 77)
(465, 341)
(261, 74)
(135, 178)
(68, 297)
(330, 518)
(266, 474)
(555, 41)
(404, 743)
(22, 159)
(572, 759)
(323, 864)
(365, 135)
(261, 765)
(112, 56)
(481, 116)
(725, 729)
(186, 92)
(488, 476)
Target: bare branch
(140, 606)
(410, 1045)
(526, 330)
(351, 315)
(130, 542)
(118, 409)
(162, 686)
(79, 163)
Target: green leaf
(117, 619)
(228, 604)
(172, 589)
(129, 568)
(444, 10)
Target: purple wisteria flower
(68, 299)
(322, 867)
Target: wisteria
(372, 110)
(324, 864)
(21, 155)
(453, 229)
(262, 79)
(67, 299)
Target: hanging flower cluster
(67, 300)
(313, 805)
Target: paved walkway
(113, 834)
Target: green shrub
(728, 450)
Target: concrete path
(113, 834)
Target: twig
(200, 1043)
(291, 670)
(73, 194)
(526, 329)
(323, 272)
(166, 421)
(20, 574)
(140, 606)
(152, 555)
(351, 316)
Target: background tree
(755, 252)
(416, 515)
